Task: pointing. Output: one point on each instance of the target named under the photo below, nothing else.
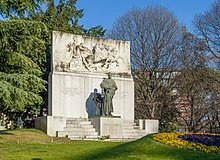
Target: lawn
(35, 145)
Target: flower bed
(206, 139)
(204, 142)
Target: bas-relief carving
(100, 58)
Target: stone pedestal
(151, 126)
(50, 124)
(108, 126)
(2, 128)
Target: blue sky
(106, 12)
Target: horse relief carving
(100, 58)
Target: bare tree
(155, 36)
(197, 86)
(199, 108)
(208, 26)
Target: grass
(35, 145)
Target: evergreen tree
(22, 52)
(64, 17)
(25, 48)
(20, 8)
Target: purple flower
(206, 139)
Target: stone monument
(79, 65)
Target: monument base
(108, 126)
(149, 125)
(50, 124)
(2, 128)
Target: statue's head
(109, 75)
(95, 91)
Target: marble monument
(79, 65)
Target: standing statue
(98, 100)
(108, 91)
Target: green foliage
(21, 8)
(26, 39)
(23, 54)
(170, 126)
(64, 17)
(25, 48)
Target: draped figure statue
(108, 87)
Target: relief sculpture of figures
(80, 53)
(84, 52)
(108, 87)
(99, 58)
(106, 55)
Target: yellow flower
(173, 140)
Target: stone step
(130, 127)
(79, 129)
(132, 134)
(84, 137)
(135, 130)
(130, 131)
(82, 129)
(129, 124)
(142, 131)
(78, 126)
(131, 137)
(83, 134)
(75, 133)
(142, 135)
(128, 121)
(78, 122)
(136, 127)
(61, 133)
(77, 119)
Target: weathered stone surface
(151, 126)
(71, 95)
(108, 126)
(50, 124)
(2, 128)
(79, 65)
(74, 53)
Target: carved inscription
(121, 95)
(71, 92)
